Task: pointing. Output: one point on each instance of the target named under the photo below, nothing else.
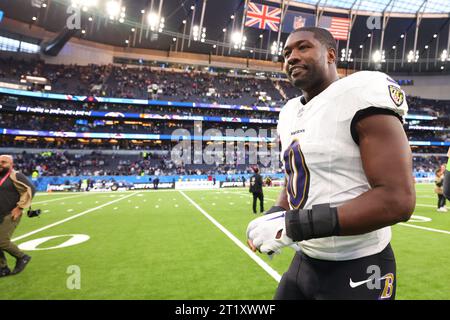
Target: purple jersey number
(298, 176)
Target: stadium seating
(166, 85)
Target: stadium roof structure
(395, 8)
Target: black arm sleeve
(447, 184)
(22, 178)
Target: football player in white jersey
(348, 171)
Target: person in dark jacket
(16, 194)
(256, 188)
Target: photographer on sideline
(16, 194)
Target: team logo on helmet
(397, 95)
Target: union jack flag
(263, 17)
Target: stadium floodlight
(435, 35)
(275, 49)
(195, 30)
(402, 36)
(347, 56)
(444, 55)
(394, 47)
(378, 56)
(442, 67)
(155, 22)
(34, 18)
(152, 20)
(197, 35)
(410, 56)
(161, 24)
(113, 9)
(413, 57)
(426, 47)
(203, 35)
(361, 46)
(238, 40)
(85, 5)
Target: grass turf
(158, 245)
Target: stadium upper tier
(148, 83)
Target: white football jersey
(322, 160)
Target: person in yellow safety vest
(35, 175)
(84, 185)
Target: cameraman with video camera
(16, 194)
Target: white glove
(268, 233)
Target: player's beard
(306, 81)
(4, 171)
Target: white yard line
(71, 218)
(426, 205)
(62, 198)
(423, 228)
(249, 252)
(250, 195)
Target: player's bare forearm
(387, 162)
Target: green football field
(189, 245)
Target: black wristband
(319, 222)
(275, 209)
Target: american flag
(263, 17)
(337, 26)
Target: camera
(33, 213)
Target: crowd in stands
(98, 164)
(436, 108)
(145, 83)
(428, 163)
(190, 86)
(14, 101)
(92, 125)
(157, 84)
(63, 163)
(429, 135)
(172, 84)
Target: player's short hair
(7, 156)
(322, 35)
